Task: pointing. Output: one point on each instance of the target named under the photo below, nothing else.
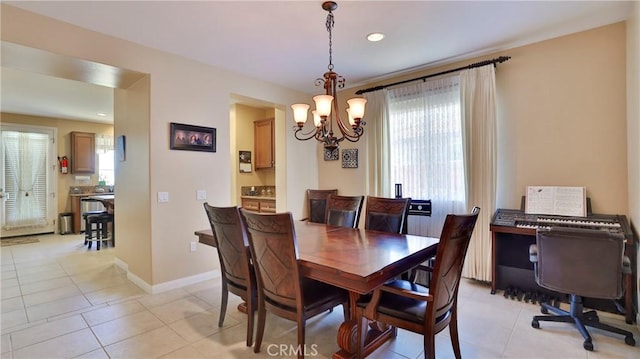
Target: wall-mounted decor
(121, 148)
(350, 158)
(245, 162)
(192, 138)
(331, 155)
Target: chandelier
(327, 110)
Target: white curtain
(25, 179)
(104, 143)
(378, 144)
(425, 147)
(478, 102)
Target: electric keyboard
(519, 219)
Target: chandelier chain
(329, 25)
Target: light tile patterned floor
(60, 300)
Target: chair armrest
(407, 293)
(533, 253)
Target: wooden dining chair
(281, 289)
(387, 214)
(344, 211)
(317, 202)
(427, 311)
(238, 276)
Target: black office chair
(581, 263)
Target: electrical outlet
(193, 246)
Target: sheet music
(560, 201)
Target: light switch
(163, 197)
(201, 194)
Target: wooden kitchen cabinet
(259, 205)
(83, 152)
(263, 132)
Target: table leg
(375, 334)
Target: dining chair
(344, 211)
(281, 289)
(427, 311)
(317, 202)
(238, 276)
(387, 214)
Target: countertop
(259, 197)
(86, 194)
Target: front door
(28, 203)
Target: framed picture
(245, 162)
(121, 148)
(192, 138)
(350, 158)
(330, 155)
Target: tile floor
(60, 300)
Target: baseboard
(163, 287)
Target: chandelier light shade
(327, 112)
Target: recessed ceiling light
(375, 36)
(101, 114)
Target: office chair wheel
(630, 341)
(544, 310)
(535, 323)
(588, 345)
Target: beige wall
(154, 238)
(561, 120)
(64, 128)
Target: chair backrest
(447, 270)
(344, 211)
(580, 261)
(318, 203)
(274, 251)
(231, 243)
(387, 214)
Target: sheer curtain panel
(425, 147)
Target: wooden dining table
(357, 260)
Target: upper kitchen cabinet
(83, 152)
(263, 142)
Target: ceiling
(286, 42)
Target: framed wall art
(245, 162)
(330, 155)
(192, 138)
(350, 158)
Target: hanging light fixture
(327, 105)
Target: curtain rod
(495, 61)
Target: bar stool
(101, 232)
(88, 226)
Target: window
(426, 147)
(106, 155)
(106, 166)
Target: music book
(559, 201)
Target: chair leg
(250, 317)
(223, 304)
(430, 346)
(262, 314)
(453, 333)
(301, 333)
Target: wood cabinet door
(263, 142)
(83, 152)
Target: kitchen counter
(86, 194)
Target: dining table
(357, 260)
